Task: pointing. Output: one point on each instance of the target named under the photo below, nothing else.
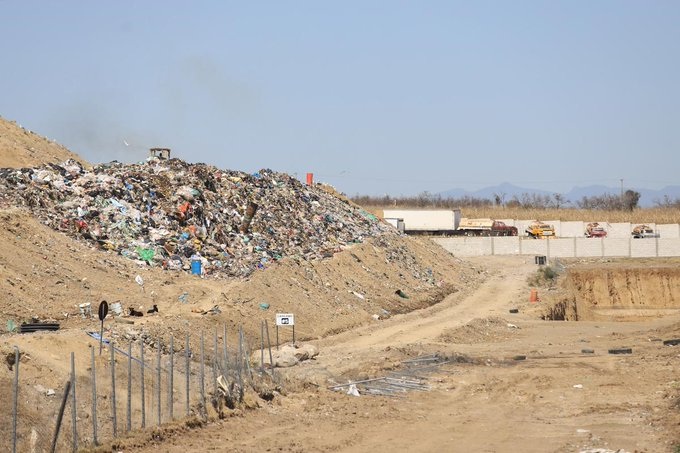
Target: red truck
(485, 227)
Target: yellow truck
(540, 230)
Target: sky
(373, 97)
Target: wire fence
(176, 392)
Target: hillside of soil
(20, 147)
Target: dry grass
(646, 215)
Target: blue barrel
(196, 267)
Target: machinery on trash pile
(595, 230)
(485, 227)
(540, 230)
(643, 232)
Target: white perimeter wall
(575, 247)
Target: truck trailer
(424, 221)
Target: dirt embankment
(623, 291)
(20, 147)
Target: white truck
(424, 221)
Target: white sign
(285, 319)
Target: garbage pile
(173, 214)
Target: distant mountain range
(647, 196)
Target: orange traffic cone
(533, 296)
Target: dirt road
(557, 400)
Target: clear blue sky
(374, 97)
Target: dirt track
(557, 400)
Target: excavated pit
(618, 292)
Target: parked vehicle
(424, 221)
(595, 230)
(485, 227)
(540, 230)
(644, 231)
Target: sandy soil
(556, 400)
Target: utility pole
(622, 188)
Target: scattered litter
(621, 351)
(512, 326)
(587, 351)
(582, 431)
(578, 386)
(519, 357)
(184, 297)
(264, 306)
(359, 295)
(85, 309)
(401, 294)
(353, 390)
(11, 326)
(674, 342)
(153, 309)
(116, 308)
(514, 310)
(37, 326)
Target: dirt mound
(621, 291)
(20, 147)
(481, 330)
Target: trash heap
(170, 213)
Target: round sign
(103, 310)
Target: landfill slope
(170, 213)
(20, 147)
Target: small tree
(630, 200)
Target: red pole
(310, 179)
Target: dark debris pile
(164, 212)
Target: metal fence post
(113, 389)
(240, 362)
(171, 377)
(202, 381)
(269, 345)
(128, 426)
(74, 406)
(188, 373)
(60, 416)
(224, 350)
(262, 346)
(158, 387)
(94, 399)
(141, 358)
(15, 399)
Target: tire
(673, 342)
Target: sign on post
(284, 319)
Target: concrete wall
(669, 231)
(561, 247)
